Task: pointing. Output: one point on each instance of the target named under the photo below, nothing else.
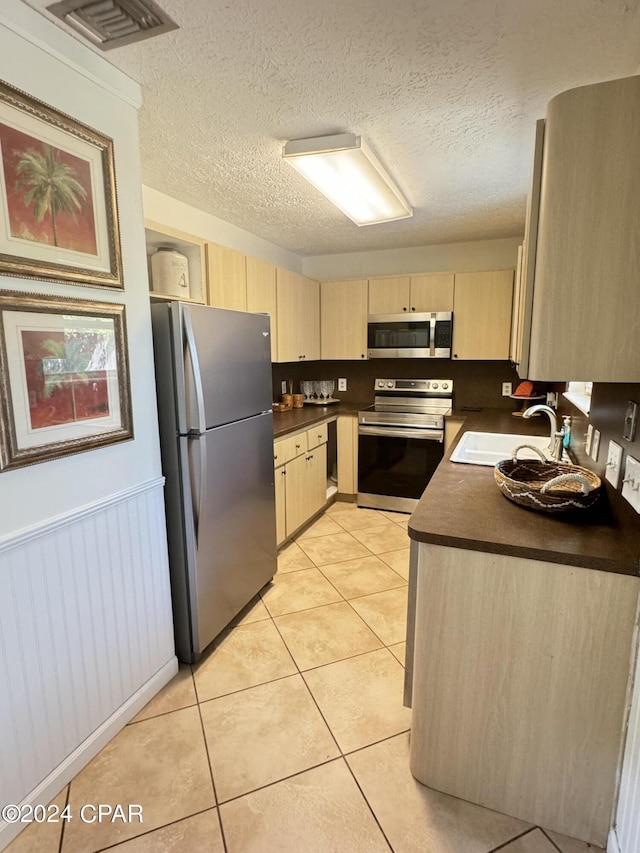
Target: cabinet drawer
(288, 448)
(316, 436)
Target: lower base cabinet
(301, 482)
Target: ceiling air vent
(113, 23)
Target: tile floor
(290, 735)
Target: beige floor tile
(399, 651)
(571, 845)
(41, 837)
(255, 611)
(178, 693)
(389, 537)
(299, 591)
(399, 517)
(160, 763)
(244, 657)
(362, 576)
(263, 735)
(326, 634)
(319, 811)
(359, 518)
(341, 506)
(403, 522)
(417, 819)
(532, 842)
(292, 559)
(361, 698)
(199, 834)
(333, 549)
(323, 526)
(398, 561)
(385, 613)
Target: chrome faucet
(557, 435)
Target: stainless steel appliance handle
(202, 491)
(386, 432)
(195, 367)
(432, 336)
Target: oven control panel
(425, 387)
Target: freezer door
(232, 492)
(227, 365)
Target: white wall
(168, 211)
(83, 556)
(460, 257)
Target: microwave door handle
(432, 336)
(195, 369)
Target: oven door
(395, 464)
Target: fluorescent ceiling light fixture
(349, 174)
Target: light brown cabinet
(300, 473)
(583, 266)
(261, 296)
(343, 319)
(482, 311)
(298, 317)
(347, 438)
(419, 293)
(226, 277)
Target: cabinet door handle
(455, 355)
(298, 446)
(362, 355)
(404, 308)
(413, 308)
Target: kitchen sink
(488, 448)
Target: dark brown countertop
(463, 508)
(295, 419)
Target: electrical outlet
(595, 445)
(283, 386)
(342, 384)
(552, 399)
(507, 389)
(614, 464)
(588, 439)
(631, 483)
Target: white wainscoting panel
(85, 621)
(626, 834)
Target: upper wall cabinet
(226, 277)
(298, 329)
(585, 294)
(261, 296)
(419, 293)
(482, 312)
(343, 319)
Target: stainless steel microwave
(424, 335)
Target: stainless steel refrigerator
(213, 375)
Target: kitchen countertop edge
(462, 508)
(285, 423)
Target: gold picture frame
(64, 377)
(58, 205)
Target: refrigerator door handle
(202, 491)
(195, 365)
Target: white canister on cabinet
(170, 272)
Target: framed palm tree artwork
(58, 209)
(64, 377)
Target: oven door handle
(385, 432)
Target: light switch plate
(595, 445)
(342, 384)
(588, 440)
(614, 464)
(631, 483)
(630, 421)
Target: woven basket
(546, 485)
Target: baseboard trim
(89, 748)
(612, 842)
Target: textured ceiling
(445, 91)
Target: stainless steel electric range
(401, 441)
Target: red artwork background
(80, 236)
(75, 397)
